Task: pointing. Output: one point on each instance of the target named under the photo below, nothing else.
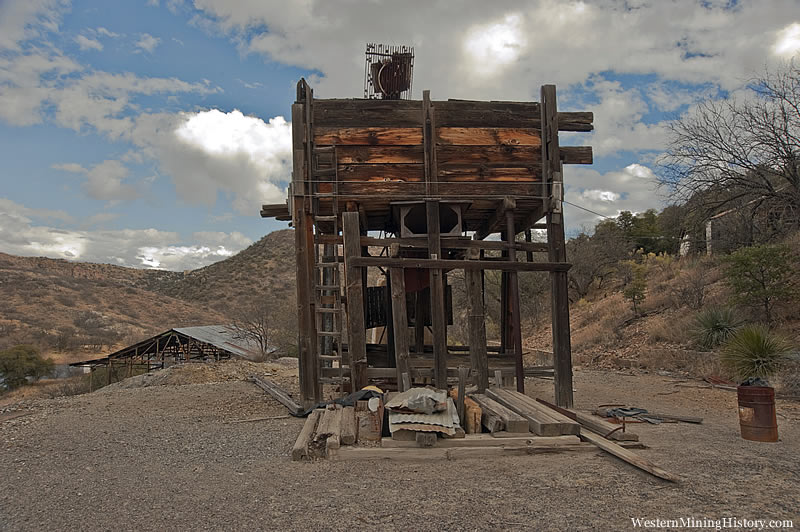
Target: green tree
(20, 362)
(760, 276)
(636, 290)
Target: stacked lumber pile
(421, 415)
(327, 429)
(542, 420)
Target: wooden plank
(368, 136)
(501, 177)
(400, 320)
(379, 193)
(361, 113)
(514, 319)
(441, 454)
(470, 113)
(356, 155)
(451, 264)
(357, 338)
(348, 430)
(576, 154)
(511, 421)
(568, 425)
(461, 394)
(449, 243)
(471, 419)
(540, 421)
(278, 393)
(628, 456)
(425, 439)
(486, 136)
(507, 155)
(596, 424)
(300, 449)
(381, 172)
(483, 440)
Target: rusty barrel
(757, 413)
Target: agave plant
(714, 326)
(755, 352)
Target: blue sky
(147, 133)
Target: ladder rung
(327, 287)
(324, 218)
(329, 357)
(334, 334)
(325, 194)
(328, 310)
(328, 264)
(325, 172)
(335, 380)
(324, 149)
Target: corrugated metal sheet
(445, 421)
(225, 338)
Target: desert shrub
(68, 300)
(762, 275)
(668, 328)
(22, 362)
(789, 383)
(636, 290)
(755, 351)
(713, 326)
(690, 287)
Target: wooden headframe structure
(429, 173)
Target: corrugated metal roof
(225, 338)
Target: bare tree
(265, 322)
(741, 152)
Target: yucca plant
(713, 326)
(755, 352)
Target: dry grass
(599, 324)
(694, 363)
(668, 328)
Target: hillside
(63, 305)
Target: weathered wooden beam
(453, 264)
(400, 320)
(300, 448)
(553, 178)
(447, 243)
(485, 136)
(438, 319)
(515, 321)
(510, 420)
(498, 218)
(277, 393)
(476, 317)
(357, 338)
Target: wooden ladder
(328, 306)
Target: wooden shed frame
(355, 161)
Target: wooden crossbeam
(452, 264)
(498, 218)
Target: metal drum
(757, 413)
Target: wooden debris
(593, 423)
(329, 424)
(471, 420)
(603, 412)
(250, 420)
(486, 440)
(509, 420)
(457, 453)
(541, 420)
(626, 455)
(278, 393)
(300, 449)
(348, 429)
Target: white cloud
(633, 188)
(21, 234)
(788, 42)
(106, 32)
(86, 43)
(104, 181)
(147, 42)
(24, 19)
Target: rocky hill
(72, 305)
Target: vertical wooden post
(357, 337)
(391, 352)
(515, 325)
(528, 239)
(552, 178)
(479, 361)
(400, 322)
(419, 322)
(438, 318)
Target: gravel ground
(167, 457)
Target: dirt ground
(168, 456)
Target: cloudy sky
(147, 133)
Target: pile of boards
(327, 429)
